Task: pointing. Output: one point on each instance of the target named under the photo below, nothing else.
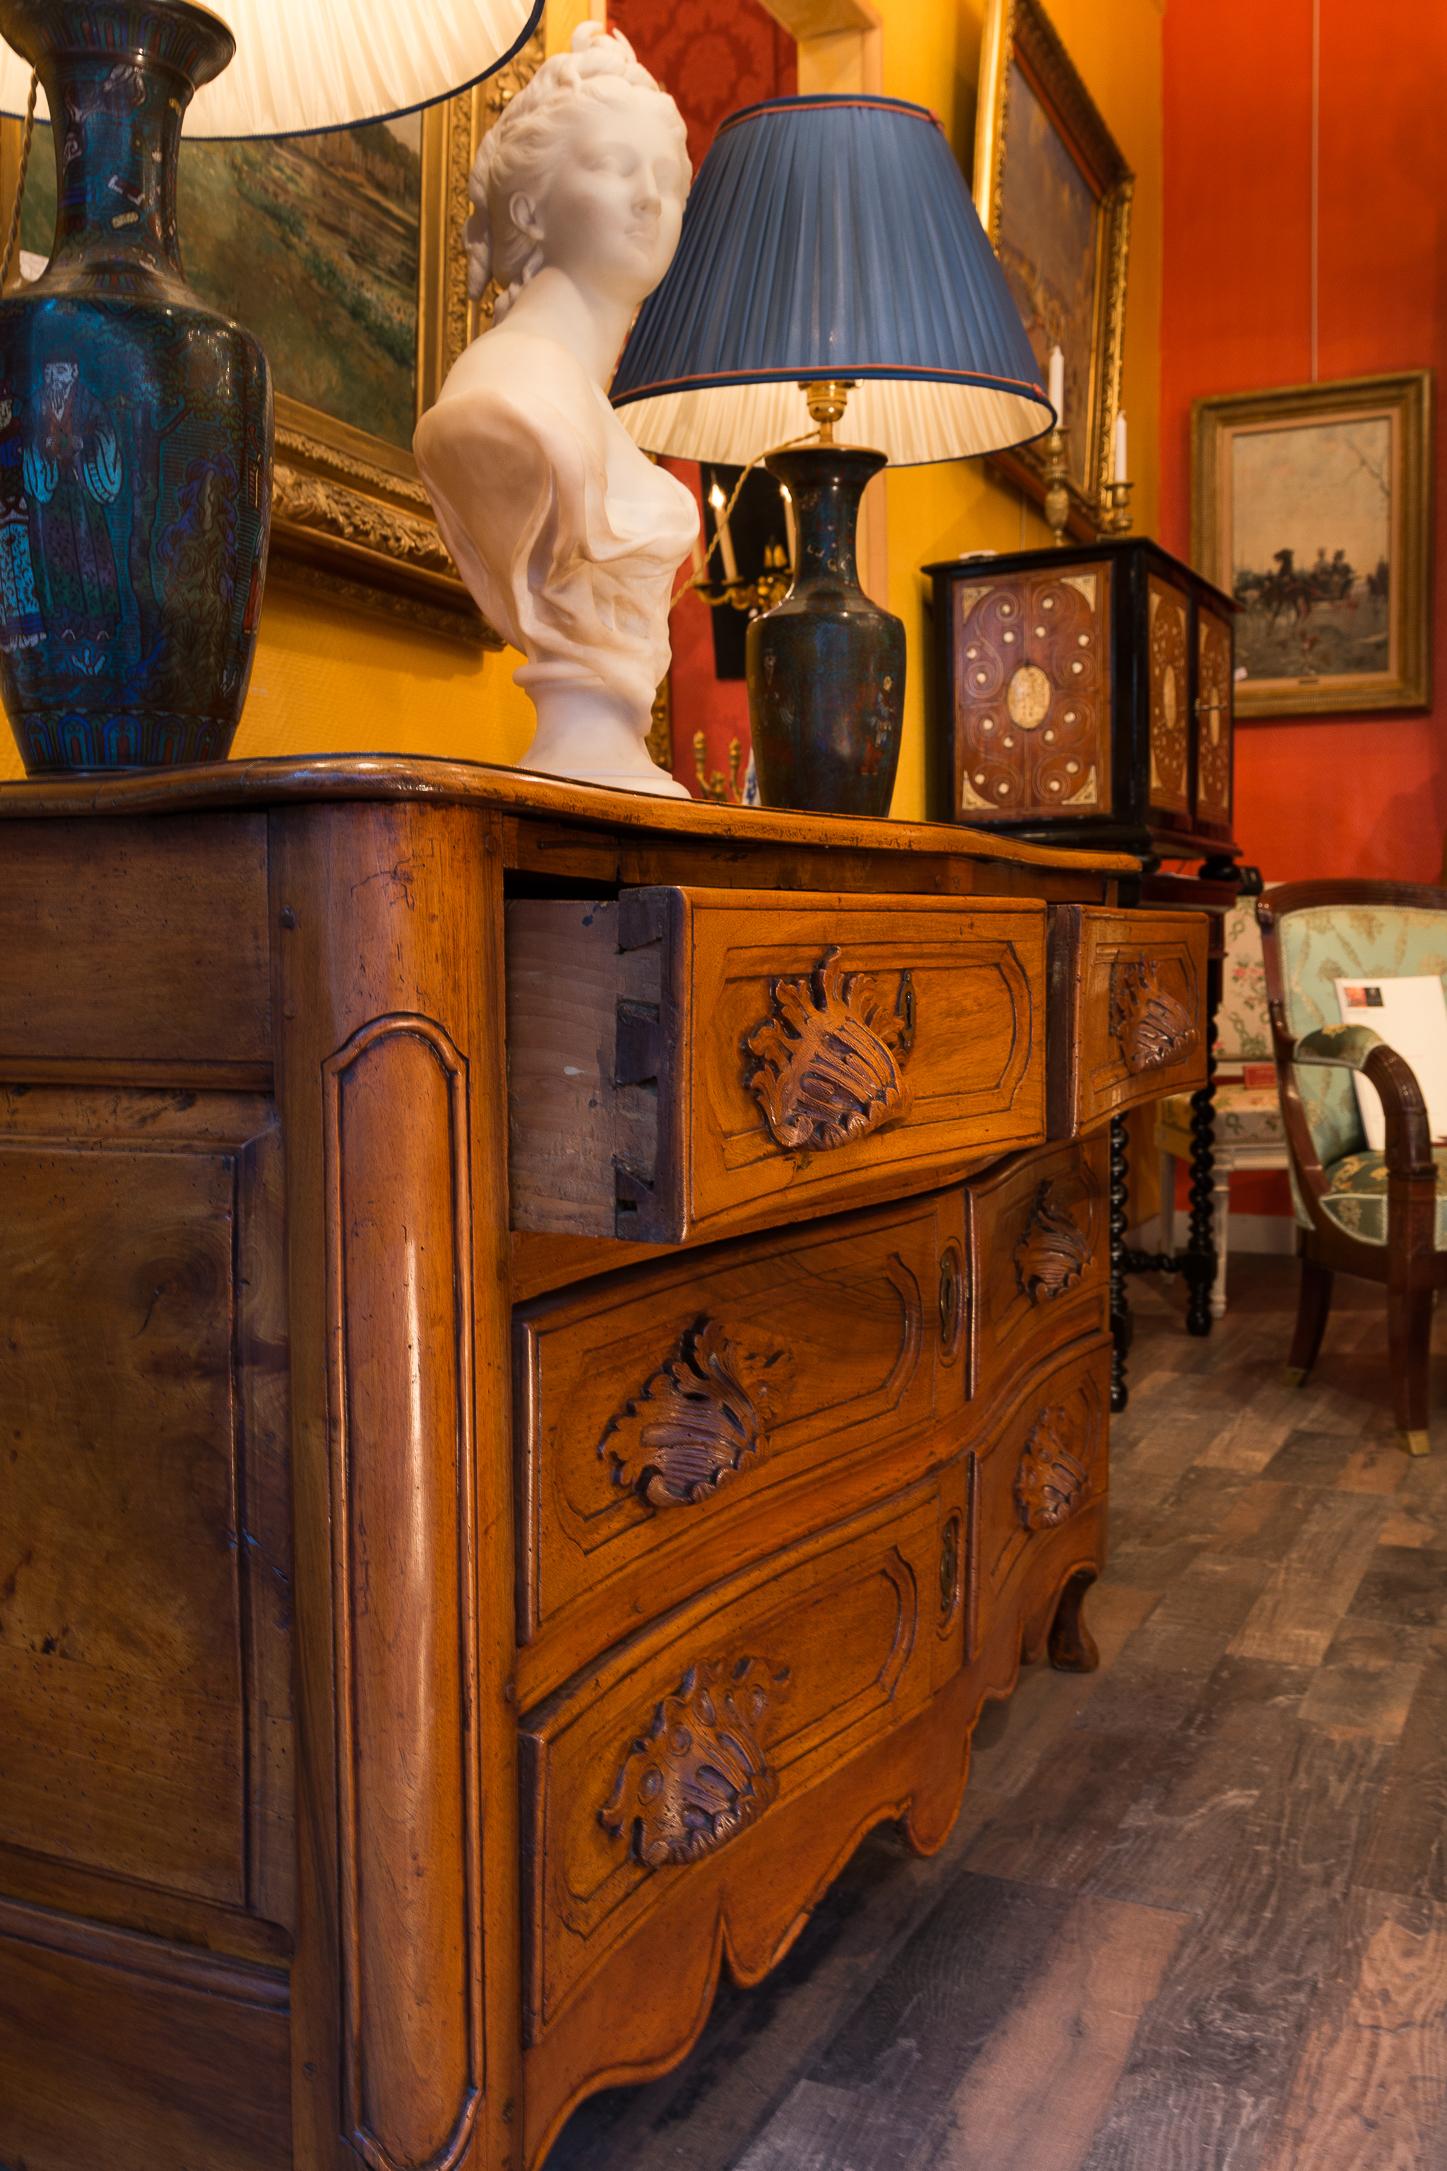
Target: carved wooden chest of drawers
(555, 1354)
(1084, 695)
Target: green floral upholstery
(1357, 1195)
(1243, 1027)
(1245, 1115)
(1320, 946)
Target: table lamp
(136, 423)
(830, 250)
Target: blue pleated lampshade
(831, 237)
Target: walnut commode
(555, 1354)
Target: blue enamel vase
(135, 423)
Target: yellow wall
(931, 53)
(329, 679)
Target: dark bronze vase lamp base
(826, 664)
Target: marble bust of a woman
(566, 534)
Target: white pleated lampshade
(303, 65)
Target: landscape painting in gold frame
(343, 252)
(1312, 506)
(1054, 195)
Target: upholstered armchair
(1380, 1215)
(1247, 1130)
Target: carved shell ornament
(830, 1060)
(1054, 1251)
(702, 1416)
(1052, 1480)
(1151, 1027)
(698, 1776)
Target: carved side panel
(1032, 694)
(145, 1544)
(829, 1063)
(1151, 1026)
(1213, 719)
(1169, 698)
(399, 1309)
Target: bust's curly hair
(519, 149)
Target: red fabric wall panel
(1346, 795)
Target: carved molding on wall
(697, 1776)
(830, 1061)
(1054, 1250)
(1151, 1027)
(702, 1416)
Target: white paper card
(1410, 1014)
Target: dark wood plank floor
(1194, 1915)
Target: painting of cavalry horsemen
(1311, 506)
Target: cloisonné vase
(826, 665)
(135, 423)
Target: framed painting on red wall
(1312, 506)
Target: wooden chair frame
(1409, 1262)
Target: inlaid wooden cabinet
(555, 1353)
(1084, 695)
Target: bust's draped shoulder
(560, 527)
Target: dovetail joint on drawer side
(586, 1040)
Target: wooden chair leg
(1072, 1647)
(1312, 1305)
(1409, 1348)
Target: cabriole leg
(1072, 1647)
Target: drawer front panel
(1040, 1245)
(702, 1061)
(676, 1746)
(1127, 1011)
(1047, 1466)
(655, 1413)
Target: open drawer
(686, 1062)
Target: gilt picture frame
(350, 517)
(1053, 192)
(1312, 506)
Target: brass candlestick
(1057, 492)
(1115, 507)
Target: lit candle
(1120, 466)
(787, 497)
(1057, 383)
(718, 501)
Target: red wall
(1368, 795)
